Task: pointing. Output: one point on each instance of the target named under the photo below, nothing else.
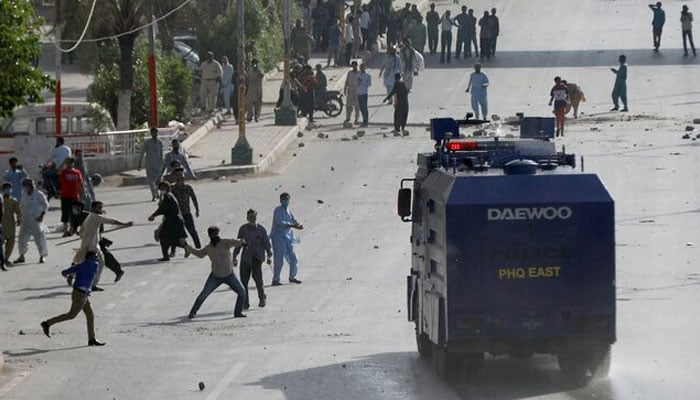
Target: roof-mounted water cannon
(482, 154)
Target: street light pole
(241, 153)
(286, 114)
(152, 82)
(57, 98)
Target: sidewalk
(209, 148)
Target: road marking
(110, 306)
(13, 383)
(142, 283)
(127, 294)
(219, 389)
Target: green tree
(20, 79)
(173, 79)
(217, 30)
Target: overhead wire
(153, 22)
(82, 35)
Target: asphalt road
(343, 333)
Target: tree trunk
(126, 80)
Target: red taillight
(461, 146)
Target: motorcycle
(333, 104)
(49, 183)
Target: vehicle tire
(603, 369)
(334, 107)
(574, 366)
(424, 345)
(446, 365)
(473, 362)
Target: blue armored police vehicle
(513, 253)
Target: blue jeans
(362, 99)
(212, 283)
(282, 249)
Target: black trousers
(432, 41)
(189, 225)
(688, 37)
(485, 48)
(462, 43)
(400, 116)
(445, 46)
(255, 269)
(110, 261)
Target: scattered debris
(294, 154)
(404, 133)
(344, 139)
(376, 246)
(319, 201)
(22, 333)
(303, 186)
(348, 278)
(647, 221)
(595, 128)
(300, 134)
(383, 135)
(360, 134)
(260, 155)
(696, 121)
(675, 153)
(201, 386)
(689, 244)
(344, 366)
(689, 128)
(354, 137)
(332, 168)
(301, 144)
(223, 161)
(686, 136)
(233, 181)
(495, 117)
(479, 132)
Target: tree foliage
(174, 83)
(217, 30)
(20, 48)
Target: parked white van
(78, 119)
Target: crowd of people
(166, 174)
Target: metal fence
(118, 143)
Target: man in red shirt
(71, 181)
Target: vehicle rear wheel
(446, 364)
(333, 107)
(424, 345)
(473, 362)
(579, 367)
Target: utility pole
(286, 114)
(152, 83)
(57, 101)
(241, 153)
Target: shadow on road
(406, 376)
(49, 295)
(568, 58)
(33, 351)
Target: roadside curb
(265, 163)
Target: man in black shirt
(257, 245)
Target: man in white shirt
(33, 207)
(364, 81)
(227, 85)
(478, 85)
(349, 37)
(90, 234)
(364, 26)
(209, 88)
(350, 92)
